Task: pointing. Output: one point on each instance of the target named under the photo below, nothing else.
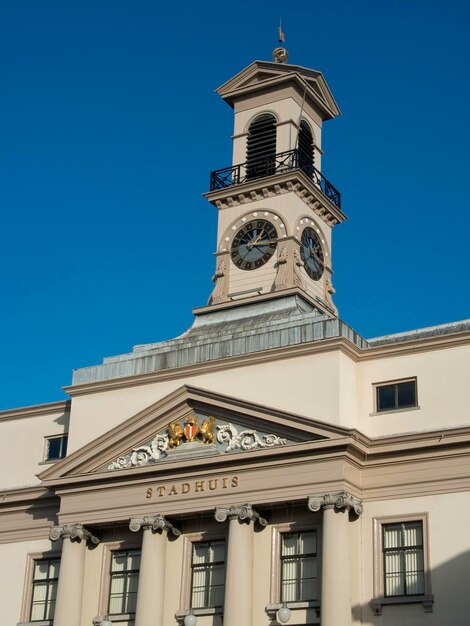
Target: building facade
(270, 464)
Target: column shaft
(70, 588)
(336, 583)
(238, 602)
(151, 590)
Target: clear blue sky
(110, 127)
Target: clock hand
(265, 242)
(254, 241)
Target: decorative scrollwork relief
(143, 455)
(74, 532)
(158, 523)
(341, 501)
(247, 439)
(227, 440)
(242, 512)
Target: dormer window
(305, 147)
(261, 147)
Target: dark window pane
(56, 448)
(385, 397)
(403, 559)
(397, 395)
(407, 394)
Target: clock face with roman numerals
(254, 244)
(311, 253)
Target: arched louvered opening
(305, 146)
(261, 147)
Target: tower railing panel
(269, 166)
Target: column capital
(242, 512)
(152, 522)
(73, 532)
(341, 501)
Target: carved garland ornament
(191, 432)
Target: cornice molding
(264, 297)
(74, 532)
(253, 358)
(35, 410)
(293, 181)
(156, 523)
(327, 345)
(177, 405)
(242, 513)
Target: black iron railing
(276, 164)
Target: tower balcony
(271, 166)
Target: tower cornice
(294, 181)
(263, 75)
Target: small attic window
(261, 146)
(56, 448)
(305, 146)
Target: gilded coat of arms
(191, 431)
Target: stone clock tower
(276, 210)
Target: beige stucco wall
(449, 556)
(328, 386)
(13, 558)
(309, 386)
(22, 446)
(442, 381)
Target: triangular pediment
(266, 75)
(189, 425)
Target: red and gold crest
(191, 428)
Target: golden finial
(280, 54)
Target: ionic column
(238, 600)
(68, 606)
(336, 577)
(151, 589)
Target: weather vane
(280, 54)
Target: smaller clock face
(311, 253)
(254, 244)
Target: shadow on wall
(450, 586)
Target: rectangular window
(299, 567)
(56, 448)
(398, 395)
(403, 559)
(124, 579)
(44, 590)
(208, 574)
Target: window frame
(298, 558)
(186, 575)
(105, 582)
(397, 409)
(380, 599)
(207, 542)
(28, 587)
(113, 574)
(63, 448)
(275, 597)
